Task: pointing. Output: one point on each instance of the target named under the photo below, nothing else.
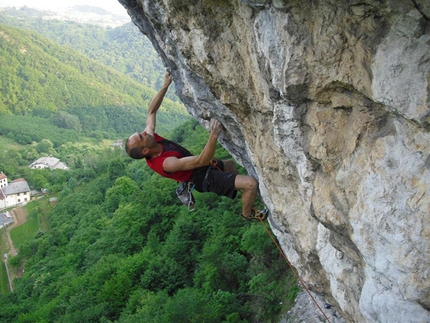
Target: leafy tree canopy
(38, 74)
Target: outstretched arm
(173, 164)
(156, 103)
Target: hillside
(71, 98)
(39, 74)
(41, 78)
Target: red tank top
(169, 149)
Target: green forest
(37, 73)
(122, 248)
(118, 246)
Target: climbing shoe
(256, 215)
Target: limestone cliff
(327, 103)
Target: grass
(8, 142)
(42, 209)
(4, 283)
(25, 232)
(37, 219)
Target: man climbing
(174, 161)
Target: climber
(175, 162)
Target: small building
(16, 192)
(44, 191)
(5, 219)
(48, 162)
(53, 200)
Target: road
(19, 217)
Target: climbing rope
(293, 270)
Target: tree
(45, 146)
(68, 121)
(123, 190)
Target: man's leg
(249, 186)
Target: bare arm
(173, 164)
(155, 105)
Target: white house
(118, 143)
(48, 162)
(14, 193)
(3, 180)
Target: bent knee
(248, 183)
(253, 184)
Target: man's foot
(256, 215)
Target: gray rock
(327, 104)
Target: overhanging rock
(327, 104)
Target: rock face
(327, 104)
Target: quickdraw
(185, 193)
(191, 201)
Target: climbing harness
(214, 163)
(185, 190)
(293, 270)
(185, 193)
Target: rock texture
(327, 104)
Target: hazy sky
(112, 5)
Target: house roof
(2, 176)
(16, 187)
(5, 219)
(51, 162)
(19, 180)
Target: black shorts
(209, 179)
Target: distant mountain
(82, 14)
(124, 48)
